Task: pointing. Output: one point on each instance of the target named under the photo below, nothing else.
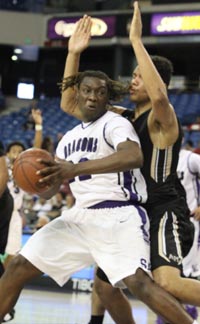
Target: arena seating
(12, 126)
(55, 121)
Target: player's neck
(141, 108)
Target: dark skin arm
(3, 175)
(53, 189)
(128, 156)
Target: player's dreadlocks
(116, 89)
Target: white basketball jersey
(15, 191)
(189, 173)
(96, 140)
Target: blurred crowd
(37, 212)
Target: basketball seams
(25, 175)
(25, 168)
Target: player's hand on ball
(55, 171)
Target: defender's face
(137, 91)
(92, 98)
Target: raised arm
(37, 117)
(78, 42)
(162, 112)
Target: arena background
(33, 47)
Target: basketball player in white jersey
(101, 157)
(12, 152)
(15, 226)
(189, 174)
(16, 223)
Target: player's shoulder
(192, 159)
(194, 156)
(115, 116)
(189, 154)
(184, 153)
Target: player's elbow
(135, 161)
(160, 98)
(64, 107)
(138, 161)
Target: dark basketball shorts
(6, 208)
(101, 275)
(171, 234)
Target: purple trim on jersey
(87, 124)
(129, 181)
(104, 136)
(198, 241)
(111, 204)
(198, 189)
(143, 216)
(196, 180)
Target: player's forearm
(152, 80)
(72, 64)
(117, 162)
(155, 87)
(68, 103)
(37, 142)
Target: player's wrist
(38, 127)
(75, 53)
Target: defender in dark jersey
(171, 231)
(150, 93)
(160, 135)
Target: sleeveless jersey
(159, 168)
(96, 140)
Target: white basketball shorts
(116, 239)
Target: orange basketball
(25, 168)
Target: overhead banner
(178, 23)
(59, 28)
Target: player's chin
(132, 96)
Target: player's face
(138, 93)
(92, 98)
(15, 150)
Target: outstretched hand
(79, 40)
(136, 24)
(37, 116)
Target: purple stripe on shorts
(111, 204)
(144, 218)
